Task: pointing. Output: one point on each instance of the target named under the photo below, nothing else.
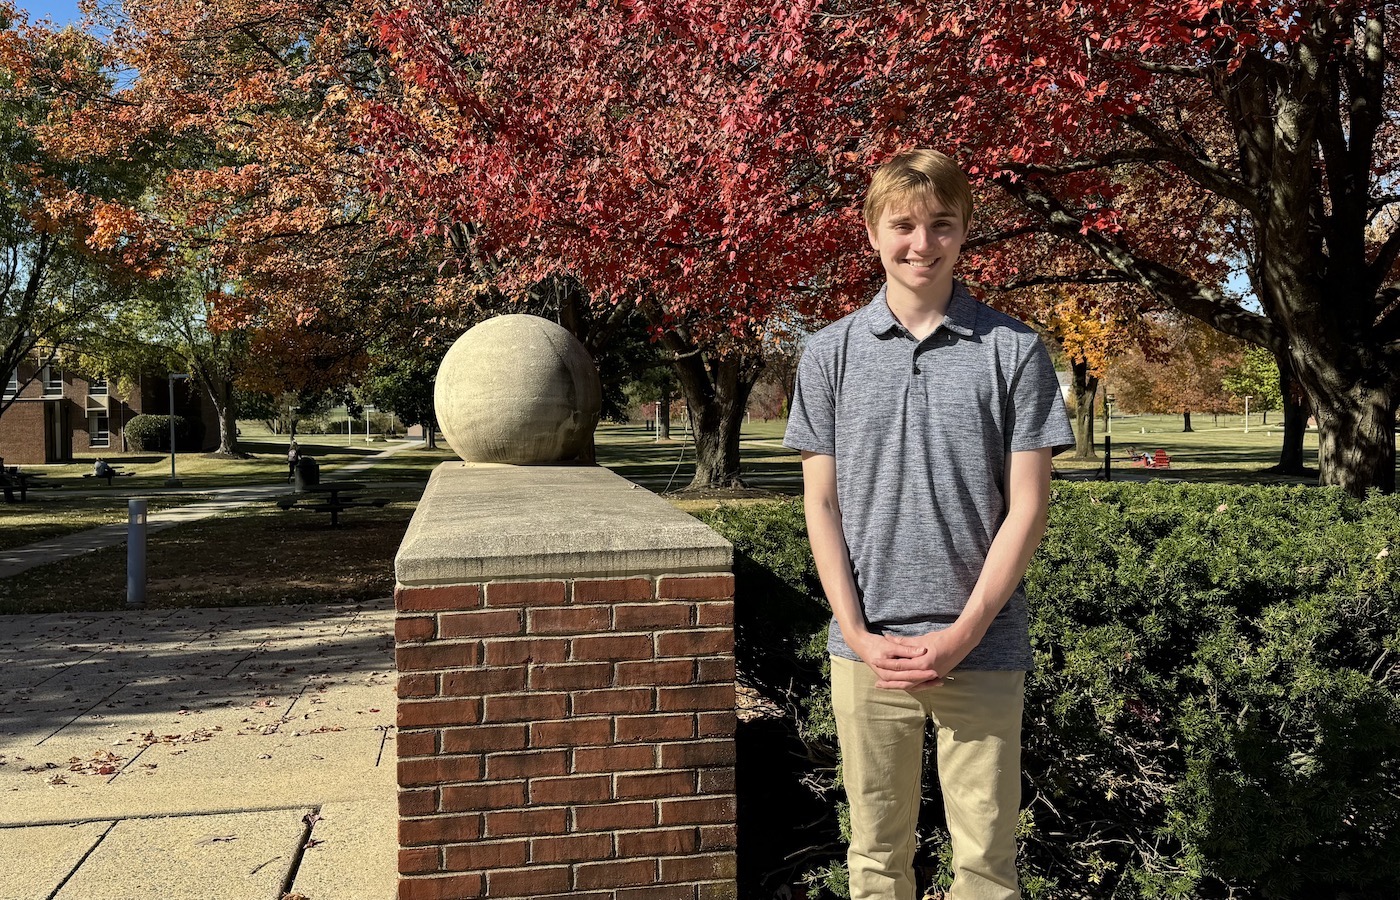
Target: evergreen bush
(1215, 709)
(152, 433)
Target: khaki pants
(881, 732)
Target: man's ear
(870, 232)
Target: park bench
(112, 472)
(338, 497)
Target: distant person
(293, 458)
(101, 469)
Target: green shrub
(152, 433)
(1214, 710)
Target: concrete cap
(478, 522)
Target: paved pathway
(195, 754)
(18, 559)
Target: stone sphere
(517, 389)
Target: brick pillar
(566, 692)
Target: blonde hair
(918, 175)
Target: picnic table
(339, 496)
(112, 472)
(13, 479)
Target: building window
(53, 381)
(98, 436)
(97, 387)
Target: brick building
(59, 415)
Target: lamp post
(1246, 413)
(368, 409)
(172, 481)
(1108, 413)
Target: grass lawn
(295, 557)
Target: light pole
(1246, 413)
(1108, 413)
(172, 481)
(368, 409)
(349, 427)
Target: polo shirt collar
(961, 316)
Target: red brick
(460, 655)
(573, 789)
(715, 668)
(696, 587)
(649, 616)
(436, 830)
(657, 842)
(613, 816)
(416, 743)
(615, 873)
(718, 837)
(483, 738)
(423, 684)
(418, 803)
(524, 707)
(571, 733)
(452, 887)
(714, 613)
(575, 895)
(613, 590)
(614, 759)
(435, 599)
(653, 785)
(418, 860)
(526, 593)
(480, 855)
(517, 651)
(695, 643)
(575, 677)
(483, 796)
(527, 822)
(716, 724)
(696, 697)
(571, 848)
(431, 713)
(439, 770)
(699, 868)
(716, 781)
(654, 728)
(656, 892)
(482, 623)
(414, 628)
(529, 882)
(654, 672)
(698, 811)
(717, 890)
(531, 764)
(622, 700)
(697, 754)
(570, 620)
(611, 647)
(482, 681)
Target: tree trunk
(430, 429)
(1085, 387)
(1186, 418)
(717, 416)
(227, 411)
(663, 415)
(1295, 418)
(1356, 439)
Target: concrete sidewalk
(197, 754)
(19, 559)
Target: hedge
(1214, 710)
(153, 433)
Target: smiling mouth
(921, 265)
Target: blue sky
(61, 11)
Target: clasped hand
(905, 663)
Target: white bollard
(135, 554)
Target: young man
(926, 422)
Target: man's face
(918, 243)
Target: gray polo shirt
(921, 431)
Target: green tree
(1256, 377)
